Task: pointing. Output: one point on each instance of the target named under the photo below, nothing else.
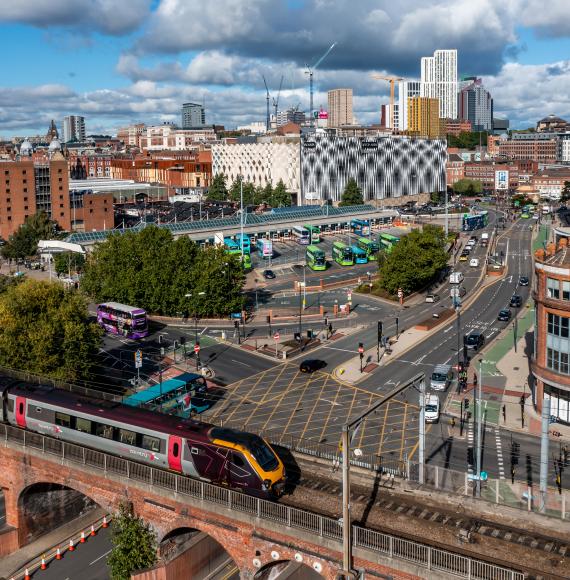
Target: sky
(118, 63)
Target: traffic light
(515, 453)
(465, 355)
(466, 403)
(236, 323)
(380, 329)
(361, 349)
(268, 319)
(182, 340)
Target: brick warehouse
(251, 542)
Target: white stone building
(439, 81)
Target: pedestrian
(474, 379)
(504, 413)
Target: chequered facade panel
(383, 167)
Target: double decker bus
(315, 258)
(370, 247)
(301, 235)
(123, 320)
(342, 254)
(387, 241)
(359, 255)
(246, 262)
(360, 227)
(245, 242)
(231, 246)
(314, 233)
(265, 248)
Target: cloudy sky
(138, 60)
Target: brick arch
(264, 572)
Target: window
(151, 443)
(8, 200)
(238, 460)
(8, 209)
(128, 437)
(59, 170)
(83, 425)
(25, 199)
(25, 208)
(557, 361)
(565, 290)
(558, 325)
(25, 190)
(61, 205)
(175, 449)
(553, 288)
(63, 419)
(60, 179)
(24, 172)
(10, 405)
(25, 181)
(105, 431)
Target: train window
(83, 425)
(10, 405)
(151, 443)
(105, 431)
(128, 437)
(238, 460)
(194, 450)
(63, 419)
(175, 450)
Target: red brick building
(485, 172)
(540, 150)
(457, 126)
(551, 358)
(454, 169)
(550, 181)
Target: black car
(474, 341)
(523, 281)
(504, 315)
(516, 301)
(312, 365)
(269, 274)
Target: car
(269, 274)
(456, 278)
(516, 301)
(466, 250)
(311, 365)
(474, 340)
(535, 216)
(431, 412)
(525, 216)
(441, 377)
(457, 291)
(432, 298)
(470, 243)
(474, 262)
(504, 315)
(523, 281)
(463, 257)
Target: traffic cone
(71, 546)
(26, 575)
(105, 524)
(43, 565)
(92, 531)
(58, 554)
(82, 540)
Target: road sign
(400, 293)
(235, 315)
(276, 336)
(349, 296)
(138, 359)
(196, 348)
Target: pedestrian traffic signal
(466, 403)
(236, 323)
(380, 331)
(182, 340)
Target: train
(219, 455)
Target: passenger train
(218, 455)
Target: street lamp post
(189, 295)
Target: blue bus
(475, 222)
(231, 246)
(360, 227)
(359, 254)
(245, 242)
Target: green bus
(370, 247)
(315, 258)
(247, 265)
(342, 254)
(387, 241)
(314, 234)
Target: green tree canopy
(467, 139)
(565, 191)
(352, 194)
(414, 261)
(134, 544)
(468, 187)
(218, 190)
(69, 262)
(24, 241)
(281, 197)
(45, 329)
(151, 270)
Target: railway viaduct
(43, 478)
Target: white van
(432, 409)
(456, 278)
(441, 377)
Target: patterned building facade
(384, 167)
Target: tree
(467, 139)
(565, 191)
(69, 262)
(45, 329)
(134, 544)
(468, 187)
(218, 190)
(352, 194)
(414, 261)
(281, 197)
(24, 241)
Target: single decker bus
(122, 320)
(265, 248)
(342, 254)
(371, 248)
(231, 246)
(359, 255)
(314, 233)
(301, 235)
(315, 258)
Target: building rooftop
(554, 255)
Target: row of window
(554, 286)
(108, 432)
(557, 361)
(558, 325)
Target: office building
(387, 119)
(193, 115)
(340, 108)
(130, 136)
(455, 168)
(423, 118)
(552, 124)
(487, 173)
(500, 126)
(406, 90)
(73, 128)
(457, 126)
(168, 137)
(476, 105)
(439, 81)
(529, 146)
(290, 116)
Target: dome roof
(552, 119)
(26, 148)
(55, 145)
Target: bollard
(71, 546)
(82, 539)
(26, 575)
(105, 524)
(43, 565)
(92, 531)
(58, 554)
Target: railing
(386, 544)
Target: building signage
(309, 145)
(501, 179)
(368, 145)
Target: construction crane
(392, 81)
(276, 101)
(309, 72)
(267, 117)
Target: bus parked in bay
(315, 258)
(314, 233)
(360, 227)
(122, 320)
(265, 248)
(359, 255)
(301, 235)
(370, 247)
(387, 241)
(244, 242)
(342, 254)
(231, 246)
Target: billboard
(501, 179)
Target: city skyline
(141, 62)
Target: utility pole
(380, 330)
(422, 430)
(544, 453)
(479, 427)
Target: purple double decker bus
(123, 320)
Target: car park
(432, 298)
(269, 274)
(474, 262)
(431, 411)
(523, 281)
(474, 340)
(311, 365)
(516, 301)
(504, 315)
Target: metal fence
(386, 544)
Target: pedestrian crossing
(500, 462)
(470, 448)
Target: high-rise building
(476, 105)
(193, 115)
(340, 108)
(73, 128)
(439, 81)
(406, 89)
(423, 117)
(290, 116)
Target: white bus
(302, 235)
(265, 248)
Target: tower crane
(276, 101)
(392, 81)
(267, 117)
(310, 71)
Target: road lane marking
(100, 557)
(241, 363)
